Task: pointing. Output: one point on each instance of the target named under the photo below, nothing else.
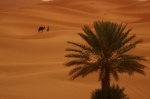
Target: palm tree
(105, 52)
(115, 93)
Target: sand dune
(6, 4)
(140, 7)
(32, 63)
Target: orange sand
(31, 64)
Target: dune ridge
(32, 63)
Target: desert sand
(32, 63)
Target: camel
(41, 28)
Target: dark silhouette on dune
(41, 28)
(48, 28)
(105, 52)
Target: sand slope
(17, 3)
(31, 63)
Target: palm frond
(90, 34)
(82, 46)
(76, 63)
(127, 38)
(77, 56)
(132, 57)
(83, 70)
(126, 48)
(74, 50)
(121, 40)
(74, 70)
(101, 74)
(89, 41)
(121, 29)
(126, 34)
(118, 29)
(76, 74)
(131, 66)
(114, 73)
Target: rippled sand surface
(31, 63)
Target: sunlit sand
(47, 0)
(32, 63)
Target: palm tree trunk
(106, 83)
